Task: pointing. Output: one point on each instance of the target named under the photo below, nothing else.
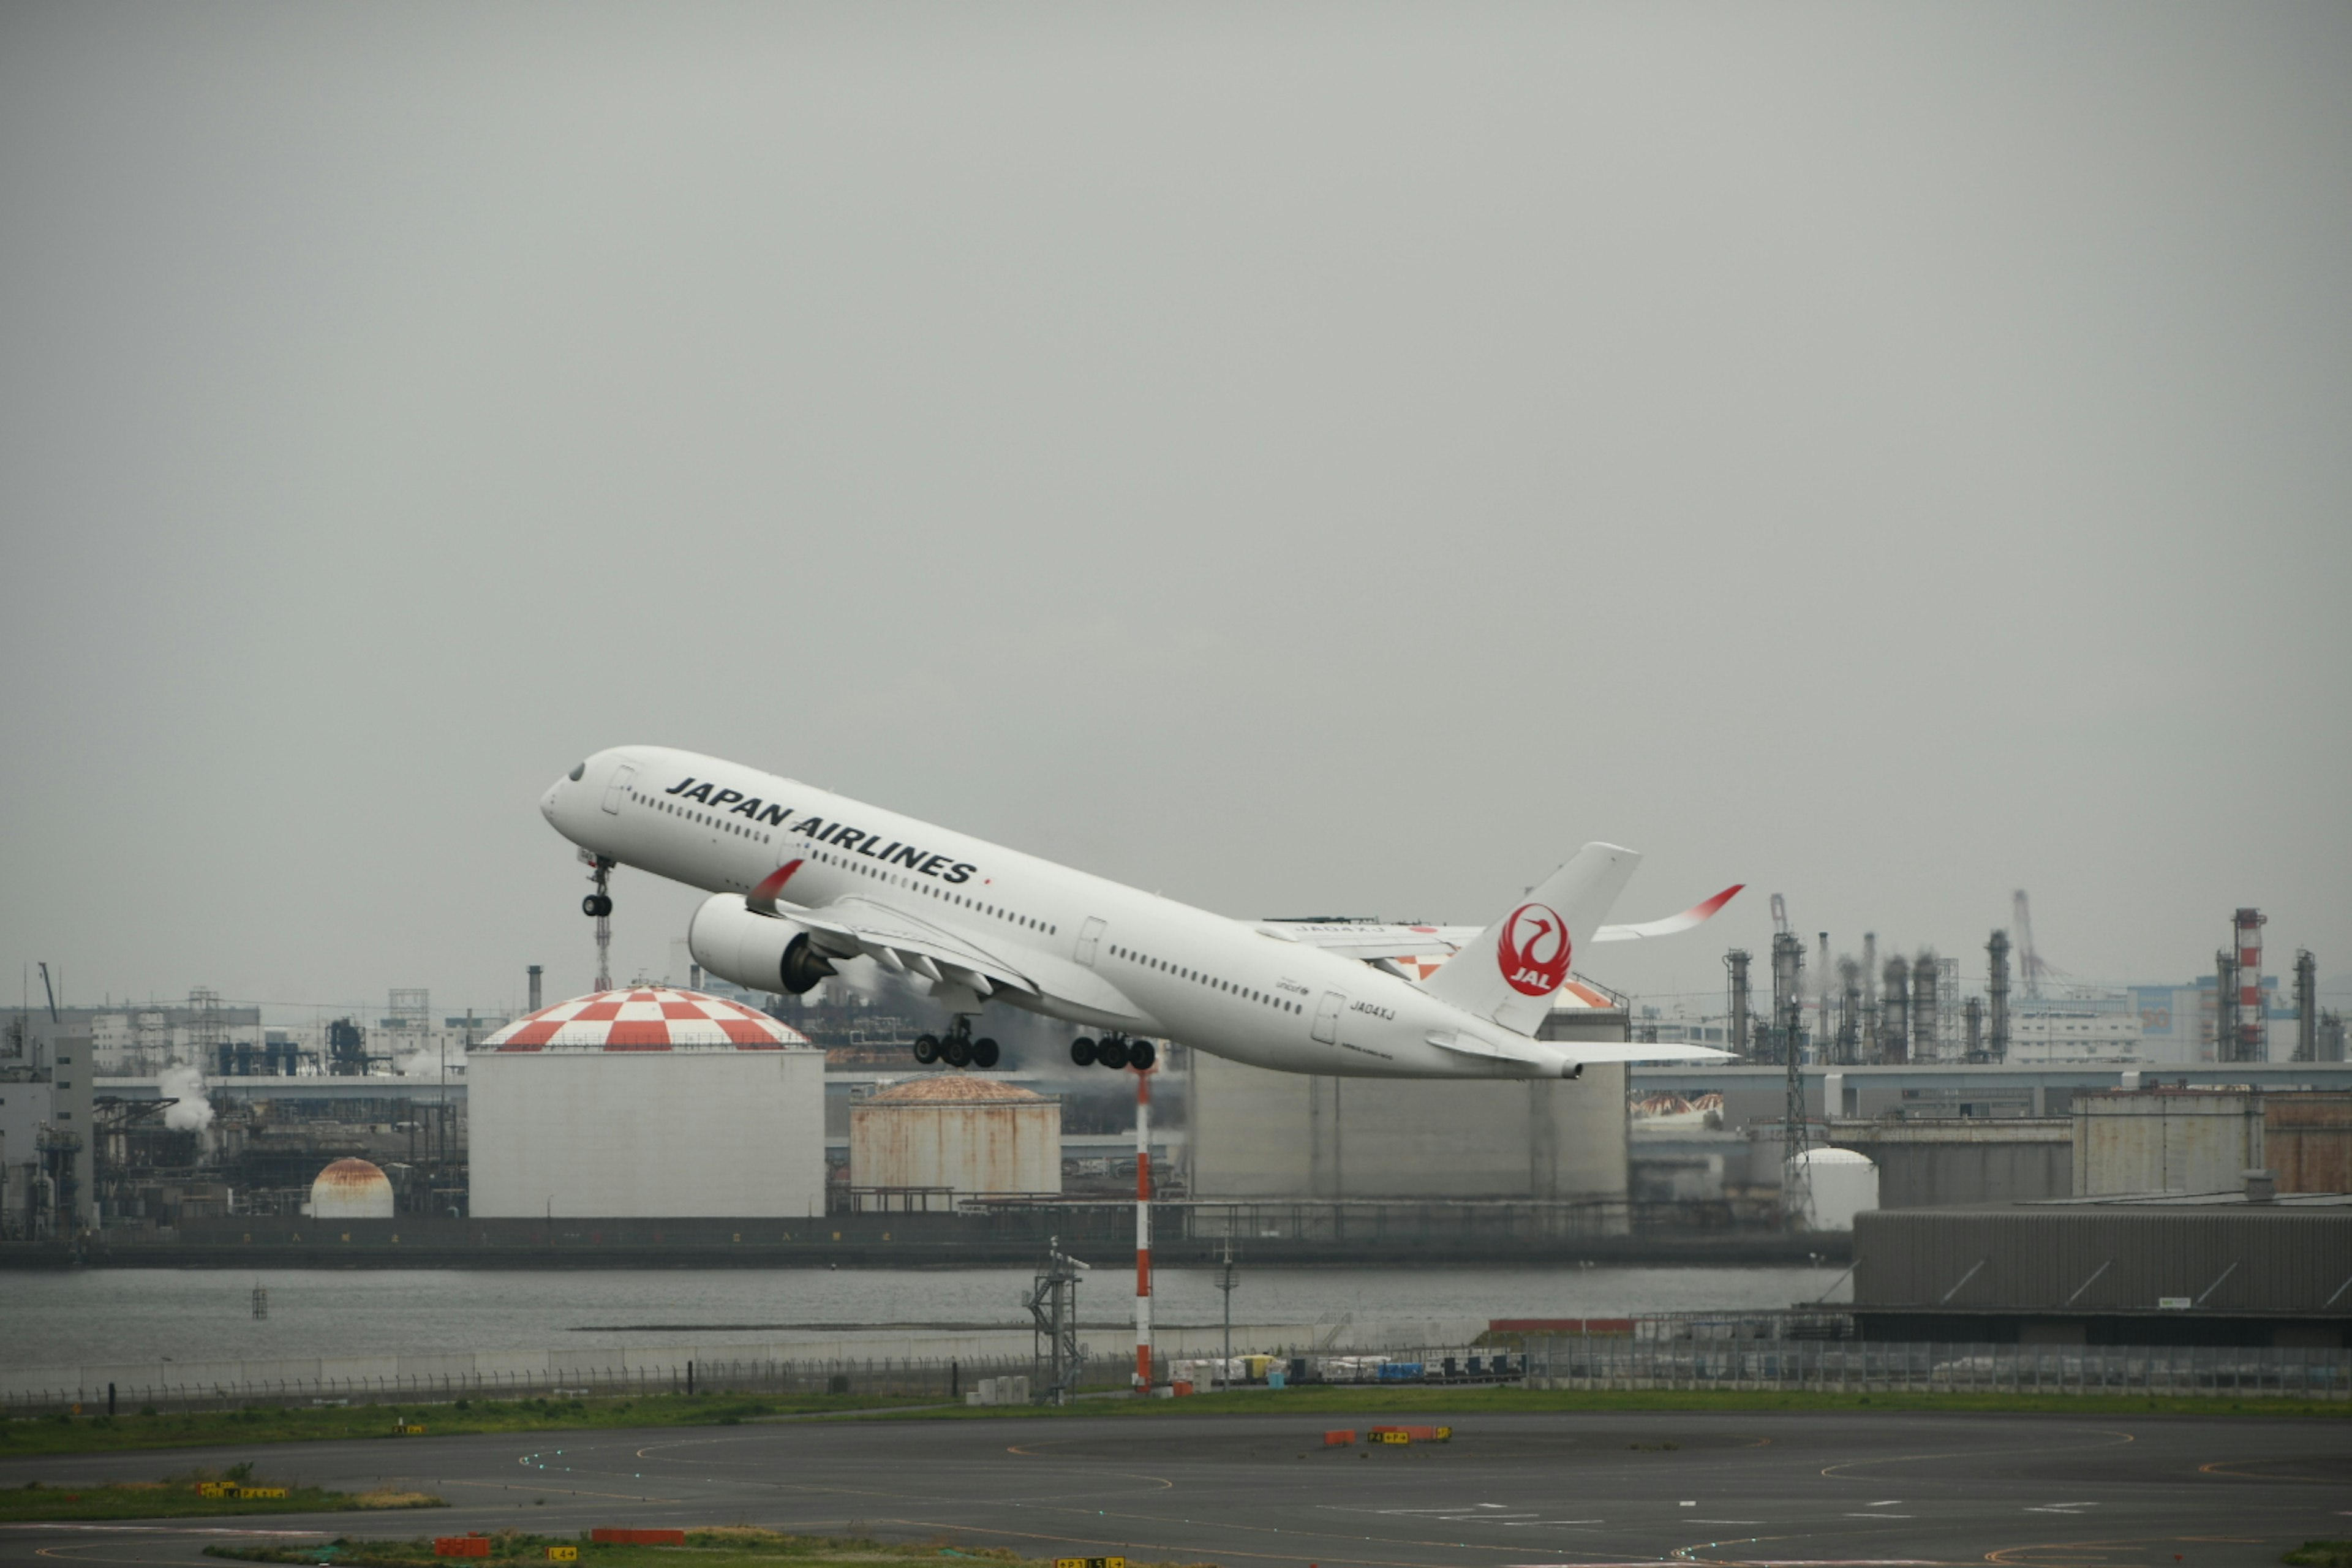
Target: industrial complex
(1895, 1118)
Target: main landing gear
(1115, 1052)
(957, 1049)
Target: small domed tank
(351, 1189)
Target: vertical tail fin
(1510, 972)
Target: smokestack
(1870, 1033)
(1848, 1035)
(1997, 996)
(1895, 1012)
(1974, 1016)
(1923, 1007)
(2253, 1031)
(2306, 1006)
(534, 973)
(1788, 1006)
(1735, 961)
(1823, 1032)
(2225, 1006)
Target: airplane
(802, 880)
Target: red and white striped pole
(1143, 1230)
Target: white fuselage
(1104, 955)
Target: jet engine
(762, 952)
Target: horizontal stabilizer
(1584, 1051)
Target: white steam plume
(193, 1112)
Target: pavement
(1260, 1491)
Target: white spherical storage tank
(1841, 1185)
(959, 1131)
(351, 1189)
(645, 1103)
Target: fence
(1869, 1367)
(1553, 1361)
(942, 1379)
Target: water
(143, 1314)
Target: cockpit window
(577, 769)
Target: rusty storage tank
(2307, 1140)
(957, 1131)
(351, 1189)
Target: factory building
(2252, 1268)
(1261, 1135)
(47, 1133)
(930, 1141)
(647, 1103)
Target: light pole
(1226, 1279)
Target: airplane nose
(547, 802)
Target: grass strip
(296, 1424)
(1362, 1399)
(715, 1548)
(184, 1497)
(26, 1438)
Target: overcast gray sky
(1302, 458)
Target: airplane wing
(908, 945)
(1371, 942)
(1366, 940)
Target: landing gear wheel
(984, 1053)
(1082, 1051)
(927, 1048)
(1112, 1054)
(956, 1051)
(1141, 1055)
(596, 906)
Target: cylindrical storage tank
(959, 1131)
(646, 1102)
(351, 1189)
(1842, 1184)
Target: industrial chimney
(1895, 1012)
(1735, 961)
(2306, 1006)
(1923, 1007)
(534, 973)
(1997, 996)
(2253, 1031)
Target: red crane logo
(1533, 951)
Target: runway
(1260, 1491)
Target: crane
(2030, 966)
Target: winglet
(1695, 915)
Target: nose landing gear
(1115, 1052)
(598, 907)
(958, 1048)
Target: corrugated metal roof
(2230, 1258)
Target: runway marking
(2224, 1467)
(559, 1491)
(2064, 1507)
(1836, 1469)
(1882, 1516)
(2085, 1554)
(157, 1528)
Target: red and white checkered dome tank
(646, 1018)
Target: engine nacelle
(762, 952)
